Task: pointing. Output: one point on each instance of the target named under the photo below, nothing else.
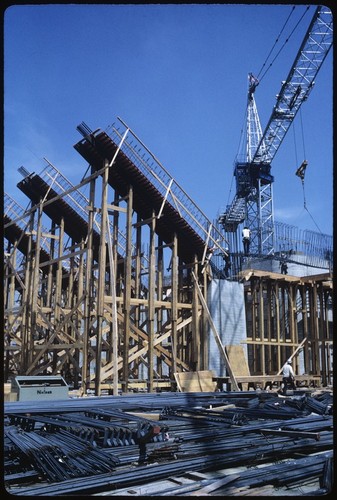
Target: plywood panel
(238, 361)
(200, 381)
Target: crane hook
(300, 172)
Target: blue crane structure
(253, 201)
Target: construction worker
(283, 264)
(227, 259)
(246, 239)
(284, 267)
(209, 254)
(288, 377)
(145, 433)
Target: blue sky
(177, 75)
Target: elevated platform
(74, 225)
(151, 193)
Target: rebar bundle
(101, 447)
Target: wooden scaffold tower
(105, 295)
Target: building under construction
(123, 288)
(144, 347)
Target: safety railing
(21, 218)
(316, 247)
(165, 184)
(78, 201)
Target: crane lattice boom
(300, 81)
(253, 201)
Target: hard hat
(289, 361)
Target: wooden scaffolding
(110, 288)
(284, 312)
(105, 296)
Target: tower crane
(253, 201)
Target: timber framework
(109, 288)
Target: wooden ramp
(200, 381)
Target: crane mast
(253, 201)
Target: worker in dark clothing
(246, 239)
(228, 265)
(284, 267)
(145, 434)
(283, 264)
(288, 377)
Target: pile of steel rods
(59, 456)
(89, 448)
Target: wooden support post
(101, 280)
(79, 314)
(35, 283)
(10, 297)
(87, 290)
(138, 283)
(199, 344)
(268, 357)
(278, 331)
(322, 332)
(151, 299)
(292, 312)
(261, 324)
(199, 323)
(315, 331)
(127, 291)
(26, 300)
(159, 287)
(174, 302)
(112, 354)
(305, 328)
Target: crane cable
(284, 43)
(237, 156)
(300, 172)
(259, 80)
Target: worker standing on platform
(284, 267)
(283, 264)
(227, 259)
(246, 239)
(288, 377)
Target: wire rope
(276, 41)
(295, 144)
(304, 197)
(302, 131)
(284, 43)
(239, 148)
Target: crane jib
(253, 203)
(299, 83)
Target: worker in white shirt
(288, 377)
(246, 239)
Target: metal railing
(77, 201)
(21, 218)
(165, 184)
(316, 247)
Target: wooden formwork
(285, 312)
(104, 323)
